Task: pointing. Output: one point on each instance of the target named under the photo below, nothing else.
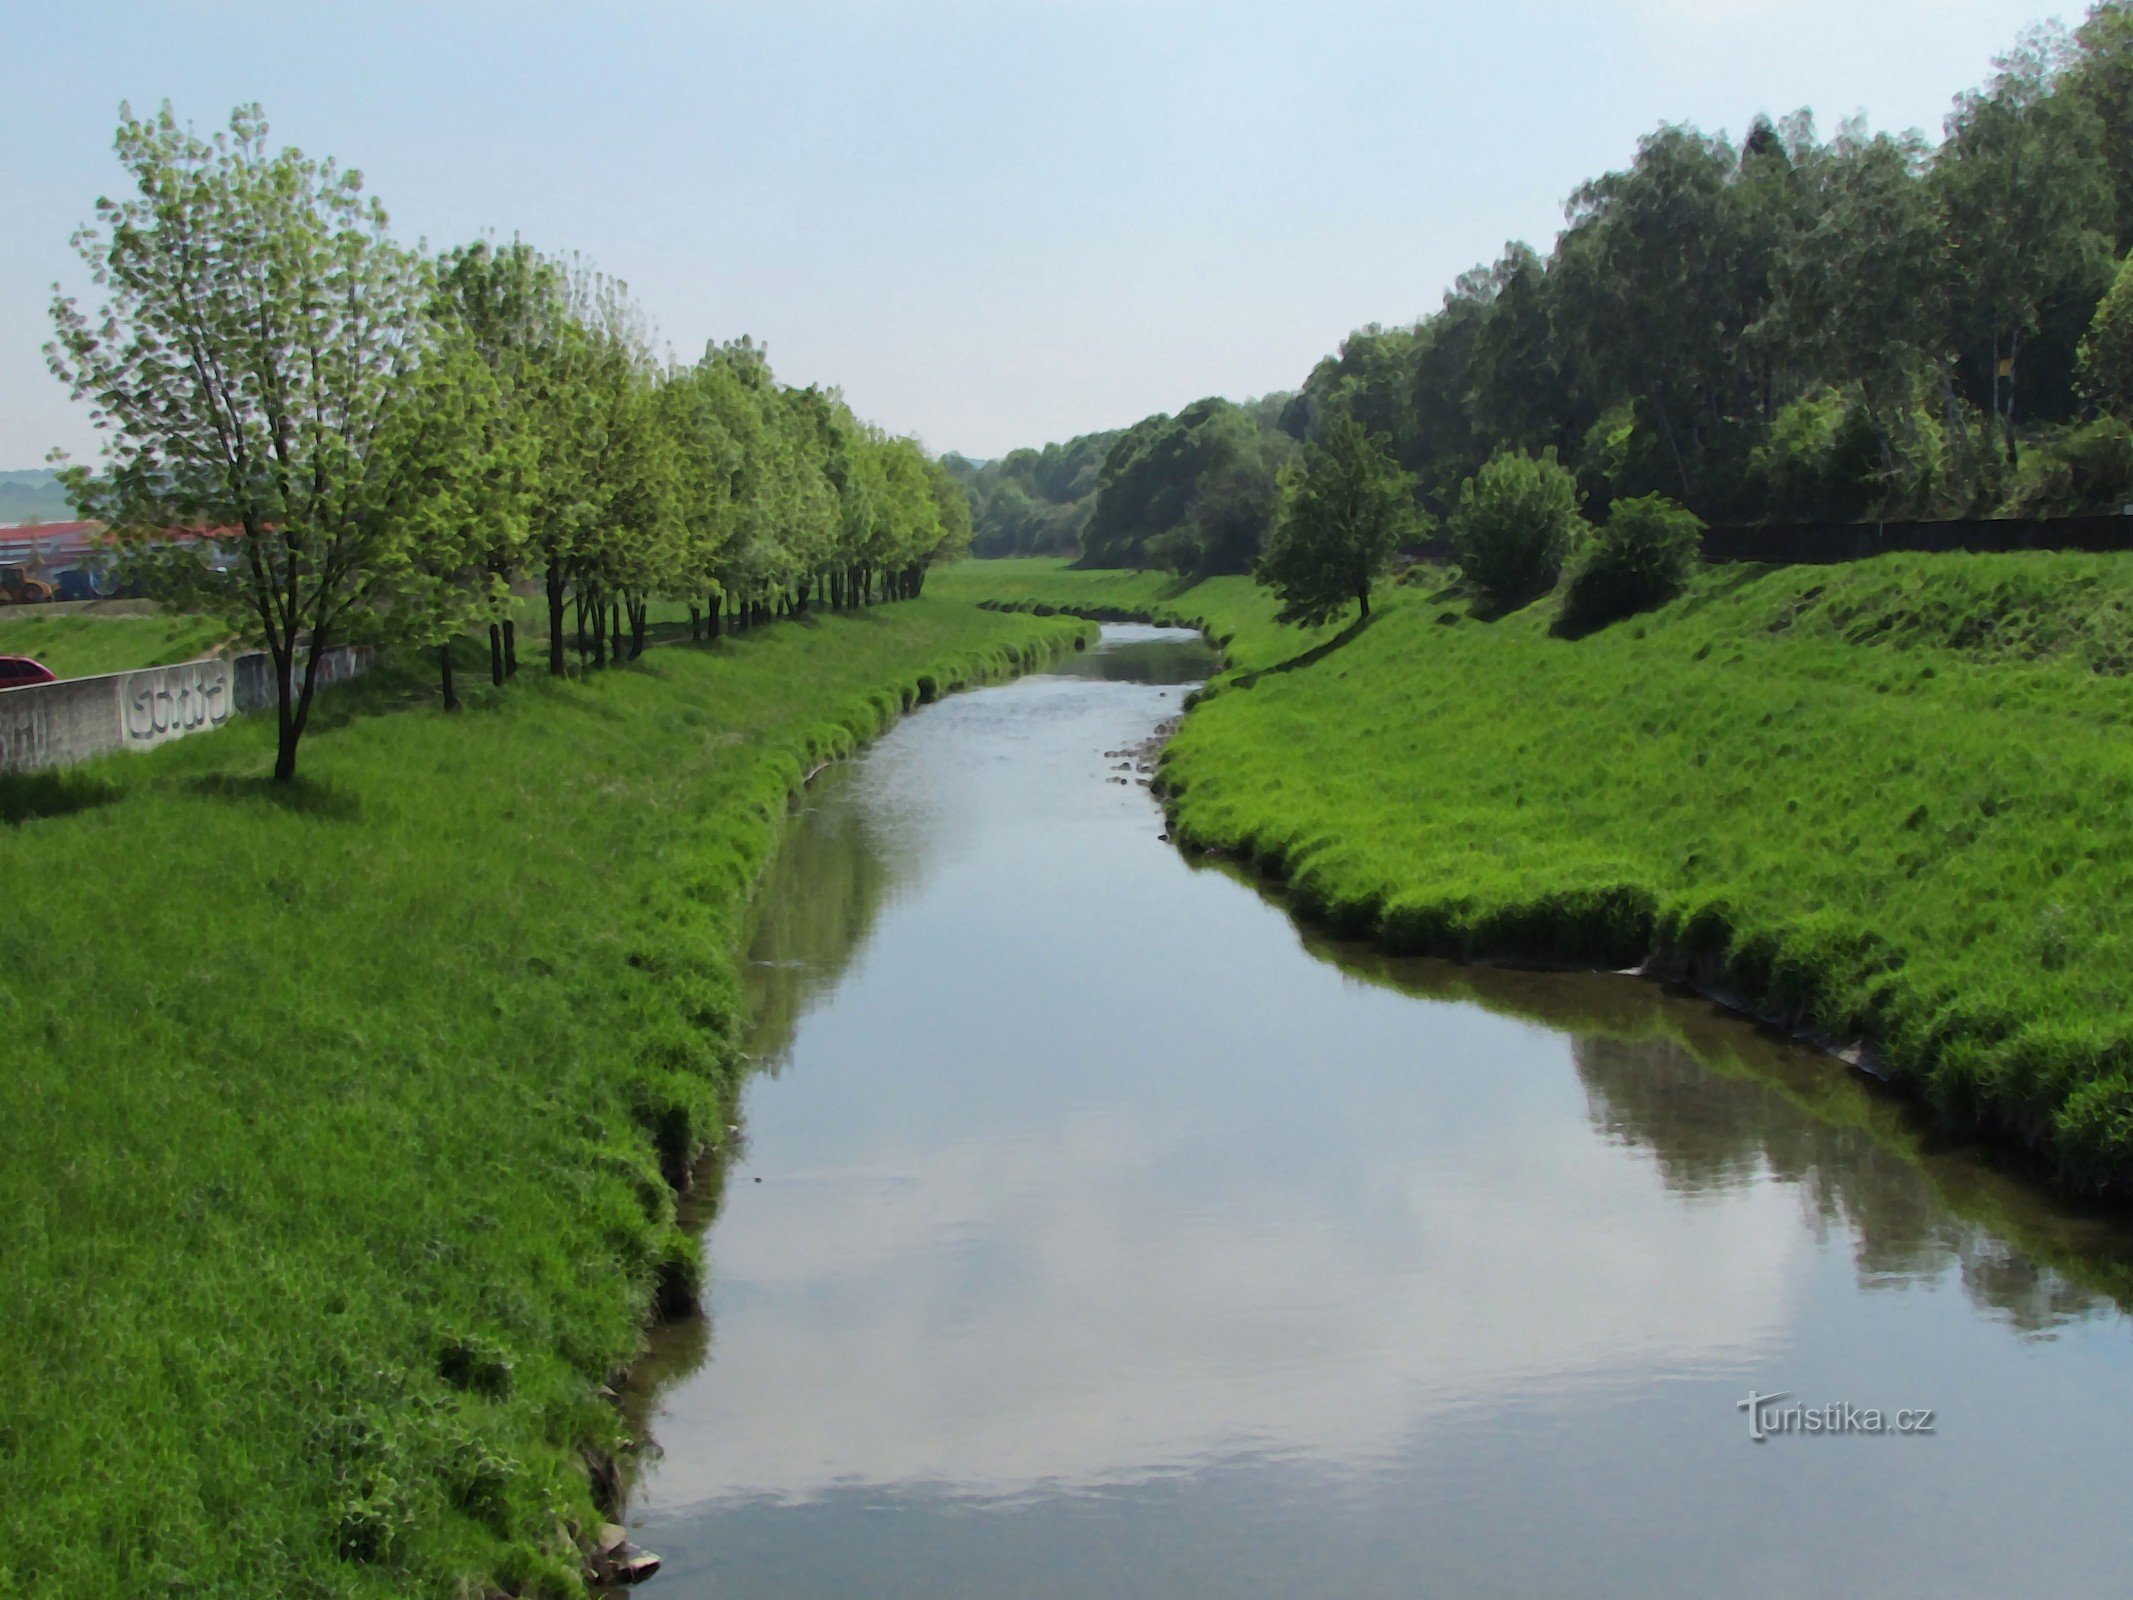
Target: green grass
(1889, 801)
(82, 646)
(334, 1119)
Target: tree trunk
(614, 615)
(638, 613)
(496, 654)
(444, 667)
(599, 633)
(1362, 596)
(714, 604)
(510, 647)
(287, 732)
(556, 664)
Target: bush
(1641, 558)
(2068, 471)
(1821, 458)
(2106, 358)
(1516, 525)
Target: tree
(252, 370)
(1344, 512)
(512, 303)
(2107, 350)
(1862, 292)
(2029, 204)
(2102, 76)
(1516, 524)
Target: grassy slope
(1890, 799)
(83, 646)
(328, 1184)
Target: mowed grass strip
(1892, 800)
(332, 1120)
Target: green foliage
(1516, 525)
(1822, 458)
(1642, 556)
(1033, 502)
(1190, 492)
(2107, 348)
(2068, 471)
(1344, 512)
(363, 444)
(300, 394)
(319, 1248)
(1885, 800)
(2102, 76)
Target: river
(1095, 1231)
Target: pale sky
(991, 224)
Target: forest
(1786, 327)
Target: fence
(58, 724)
(1824, 543)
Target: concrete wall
(255, 674)
(58, 724)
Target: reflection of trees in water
(1717, 1102)
(1715, 1126)
(1158, 661)
(835, 870)
(828, 883)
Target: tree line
(1787, 327)
(327, 437)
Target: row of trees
(328, 437)
(1794, 327)
(1783, 328)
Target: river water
(1095, 1232)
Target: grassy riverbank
(1889, 800)
(83, 644)
(333, 1124)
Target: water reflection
(1103, 1245)
(1718, 1104)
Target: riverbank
(338, 1120)
(1886, 802)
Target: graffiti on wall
(169, 702)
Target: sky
(990, 224)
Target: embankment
(338, 1122)
(1889, 802)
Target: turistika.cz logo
(1768, 1417)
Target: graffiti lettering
(169, 702)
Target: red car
(16, 671)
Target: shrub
(2088, 467)
(1641, 558)
(1516, 524)
(1821, 458)
(2106, 358)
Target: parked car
(17, 671)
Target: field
(337, 1123)
(1891, 802)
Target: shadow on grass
(1311, 657)
(305, 796)
(26, 796)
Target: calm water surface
(1094, 1232)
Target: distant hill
(33, 495)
